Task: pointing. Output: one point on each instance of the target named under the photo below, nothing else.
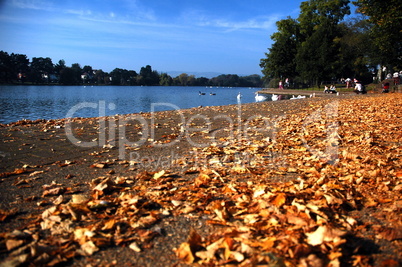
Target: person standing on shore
(280, 85)
(348, 80)
(287, 83)
(396, 80)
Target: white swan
(239, 96)
(298, 97)
(259, 98)
(275, 97)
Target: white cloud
(79, 12)
(203, 19)
(264, 23)
(32, 4)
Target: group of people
(286, 84)
(330, 90)
(396, 77)
(357, 86)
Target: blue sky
(224, 36)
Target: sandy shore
(282, 170)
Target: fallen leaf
(89, 248)
(279, 200)
(184, 253)
(134, 246)
(159, 174)
(324, 234)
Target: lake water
(56, 102)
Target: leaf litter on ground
(297, 197)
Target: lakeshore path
(310, 182)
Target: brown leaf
(54, 191)
(4, 214)
(89, 248)
(187, 250)
(99, 165)
(184, 253)
(12, 244)
(324, 234)
(279, 200)
(391, 234)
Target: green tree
(251, 81)
(61, 65)
(386, 17)
(308, 47)
(20, 66)
(99, 77)
(40, 69)
(319, 49)
(77, 71)
(67, 76)
(5, 67)
(13, 67)
(184, 79)
(280, 61)
(202, 81)
(132, 77)
(71, 75)
(123, 77)
(358, 55)
(87, 69)
(148, 76)
(165, 80)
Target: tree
(87, 69)
(99, 77)
(13, 67)
(319, 48)
(40, 69)
(77, 71)
(308, 47)
(183, 79)
(358, 54)
(251, 81)
(386, 17)
(165, 80)
(71, 75)
(280, 61)
(148, 76)
(132, 77)
(202, 81)
(61, 65)
(20, 66)
(5, 67)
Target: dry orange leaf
(279, 200)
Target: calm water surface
(56, 102)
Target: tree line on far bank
(18, 69)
